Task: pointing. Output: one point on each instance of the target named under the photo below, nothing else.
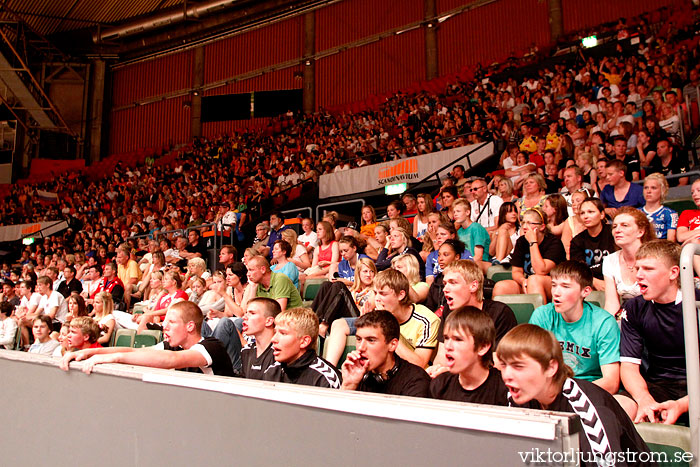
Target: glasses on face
(477, 188)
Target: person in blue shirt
(276, 228)
(348, 246)
(663, 219)
(588, 335)
(281, 251)
(444, 231)
(619, 192)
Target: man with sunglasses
(573, 182)
(485, 206)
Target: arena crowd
(562, 213)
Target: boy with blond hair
(294, 349)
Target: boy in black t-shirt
(469, 339)
(183, 347)
(374, 365)
(652, 332)
(259, 325)
(533, 370)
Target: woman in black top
(594, 243)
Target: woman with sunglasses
(536, 253)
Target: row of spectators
(245, 170)
(397, 337)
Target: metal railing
(299, 210)
(339, 203)
(692, 346)
(436, 173)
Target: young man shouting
(652, 334)
(374, 365)
(183, 347)
(259, 326)
(533, 370)
(469, 340)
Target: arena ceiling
(129, 28)
(56, 16)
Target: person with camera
(374, 365)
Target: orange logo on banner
(404, 170)
(31, 229)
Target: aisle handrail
(692, 346)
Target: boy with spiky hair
(259, 325)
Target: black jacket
(309, 370)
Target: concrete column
(556, 19)
(197, 82)
(431, 44)
(20, 162)
(309, 71)
(96, 110)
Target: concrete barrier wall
(124, 415)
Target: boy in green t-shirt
(588, 335)
(472, 234)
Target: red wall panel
(485, 34)
(580, 15)
(257, 49)
(152, 78)
(390, 64)
(489, 33)
(356, 19)
(149, 125)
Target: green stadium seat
(597, 297)
(124, 337)
(498, 272)
(311, 288)
(668, 440)
(153, 332)
(522, 304)
(145, 340)
(680, 205)
(350, 345)
(17, 345)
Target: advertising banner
(409, 170)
